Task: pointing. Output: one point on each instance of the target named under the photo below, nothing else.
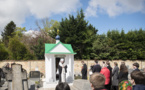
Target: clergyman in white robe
(62, 67)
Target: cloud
(32, 33)
(114, 7)
(15, 10)
(18, 10)
(49, 7)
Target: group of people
(104, 77)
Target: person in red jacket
(105, 71)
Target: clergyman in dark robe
(84, 70)
(62, 67)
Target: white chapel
(53, 54)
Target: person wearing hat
(62, 67)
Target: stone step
(82, 84)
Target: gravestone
(17, 78)
(35, 74)
(34, 80)
(9, 79)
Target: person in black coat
(110, 69)
(97, 67)
(123, 74)
(91, 67)
(136, 66)
(84, 70)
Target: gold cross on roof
(57, 31)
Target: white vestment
(63, 74)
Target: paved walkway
(72, 88)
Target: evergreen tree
(3, 52)
(77, 32)
(120, 45)
(18, 51)
(39, 49)
(8, 32)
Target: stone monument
(17, 78)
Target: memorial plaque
(35, 74)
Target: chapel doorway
(56, 65)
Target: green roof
(49, 47)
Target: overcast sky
(103, 14)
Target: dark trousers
(84, 77)
(0, 78)
(59, 78)
(107, 87)
(115, 87)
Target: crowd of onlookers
(104, 77)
